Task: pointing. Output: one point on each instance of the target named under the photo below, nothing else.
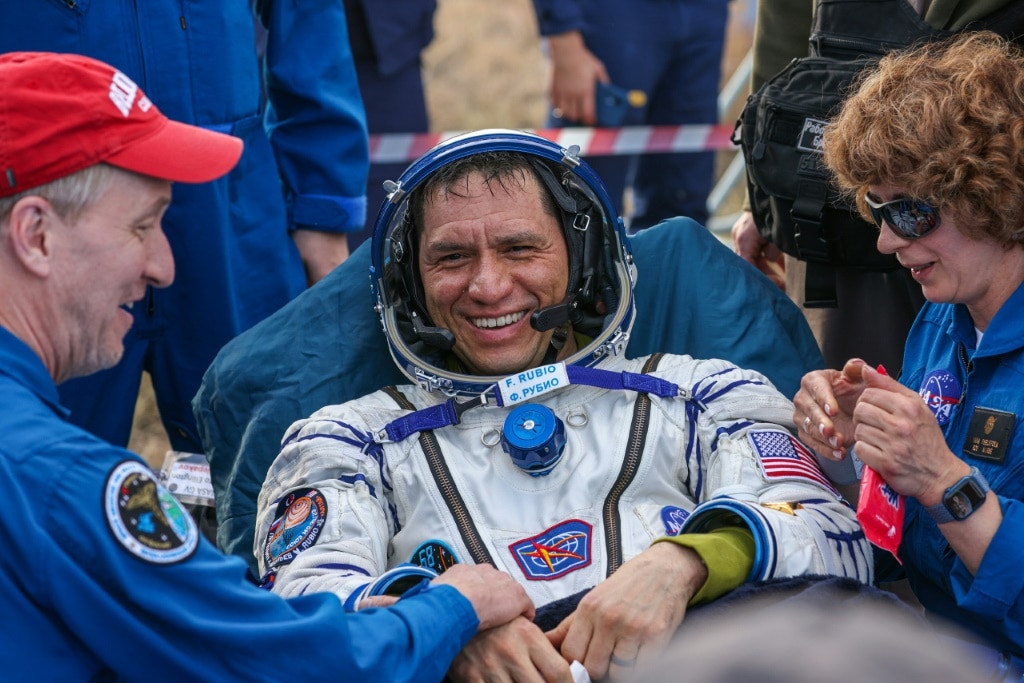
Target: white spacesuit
(556, 475)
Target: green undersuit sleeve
(727, 552)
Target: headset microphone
(437, 337)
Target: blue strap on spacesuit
(450, 412)
(627, 381)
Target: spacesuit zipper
(630, 465)
(443, 479)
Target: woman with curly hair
(931, 145)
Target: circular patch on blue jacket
(942, 392)
(299, 519)
(145, 518)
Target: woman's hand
(898, 437)
(824, 408)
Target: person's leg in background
(668, 185)
(671, 50)
(392, 88)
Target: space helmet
(598, 302)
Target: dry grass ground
(485, 68)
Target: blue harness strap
(450, 412)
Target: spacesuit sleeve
(314, 114)
(325, 514)
(747, 467)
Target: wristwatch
(961, 499)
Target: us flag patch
(782, 456)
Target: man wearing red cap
(250, 241)
(105, 575)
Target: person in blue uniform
(387, 41)
(106, 577)
(250, 241)
(931, 146)
(669, 50)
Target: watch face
(959, 505)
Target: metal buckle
(614, 345)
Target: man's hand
(575, 73)
(628, 618)
(517, 651)
(496, 597)
(756, 250)
(321, 252)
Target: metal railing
(734, 91)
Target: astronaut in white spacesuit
(504, 284)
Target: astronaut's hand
(377, 601)
(321, 252)
(628, 618)
(517, 651)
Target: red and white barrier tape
(405, 147)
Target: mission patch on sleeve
(145, 518)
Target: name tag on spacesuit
(529, 384)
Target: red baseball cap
(61, 113)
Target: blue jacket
(92, 593)
(957, 380)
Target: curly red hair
(944, 121)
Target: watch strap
(941, 513)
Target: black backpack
(794, 204)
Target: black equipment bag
(795, 206)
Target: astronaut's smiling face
(488, 259)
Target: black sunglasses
(909, 218)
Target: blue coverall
(388, 39)
(100, 586)
(672, 51)
(962, 384)
(196, 60)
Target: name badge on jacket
(989, 434)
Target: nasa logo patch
(145, 518)
(300, 517)
(434, 555)
(554, 552)
(673, 518)
(941, 391)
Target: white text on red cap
(122, 94)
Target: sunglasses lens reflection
(909, 218)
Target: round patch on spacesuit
(434, 555)
(673, 518)
(145, 517)
(300, 517)
(941, 391)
